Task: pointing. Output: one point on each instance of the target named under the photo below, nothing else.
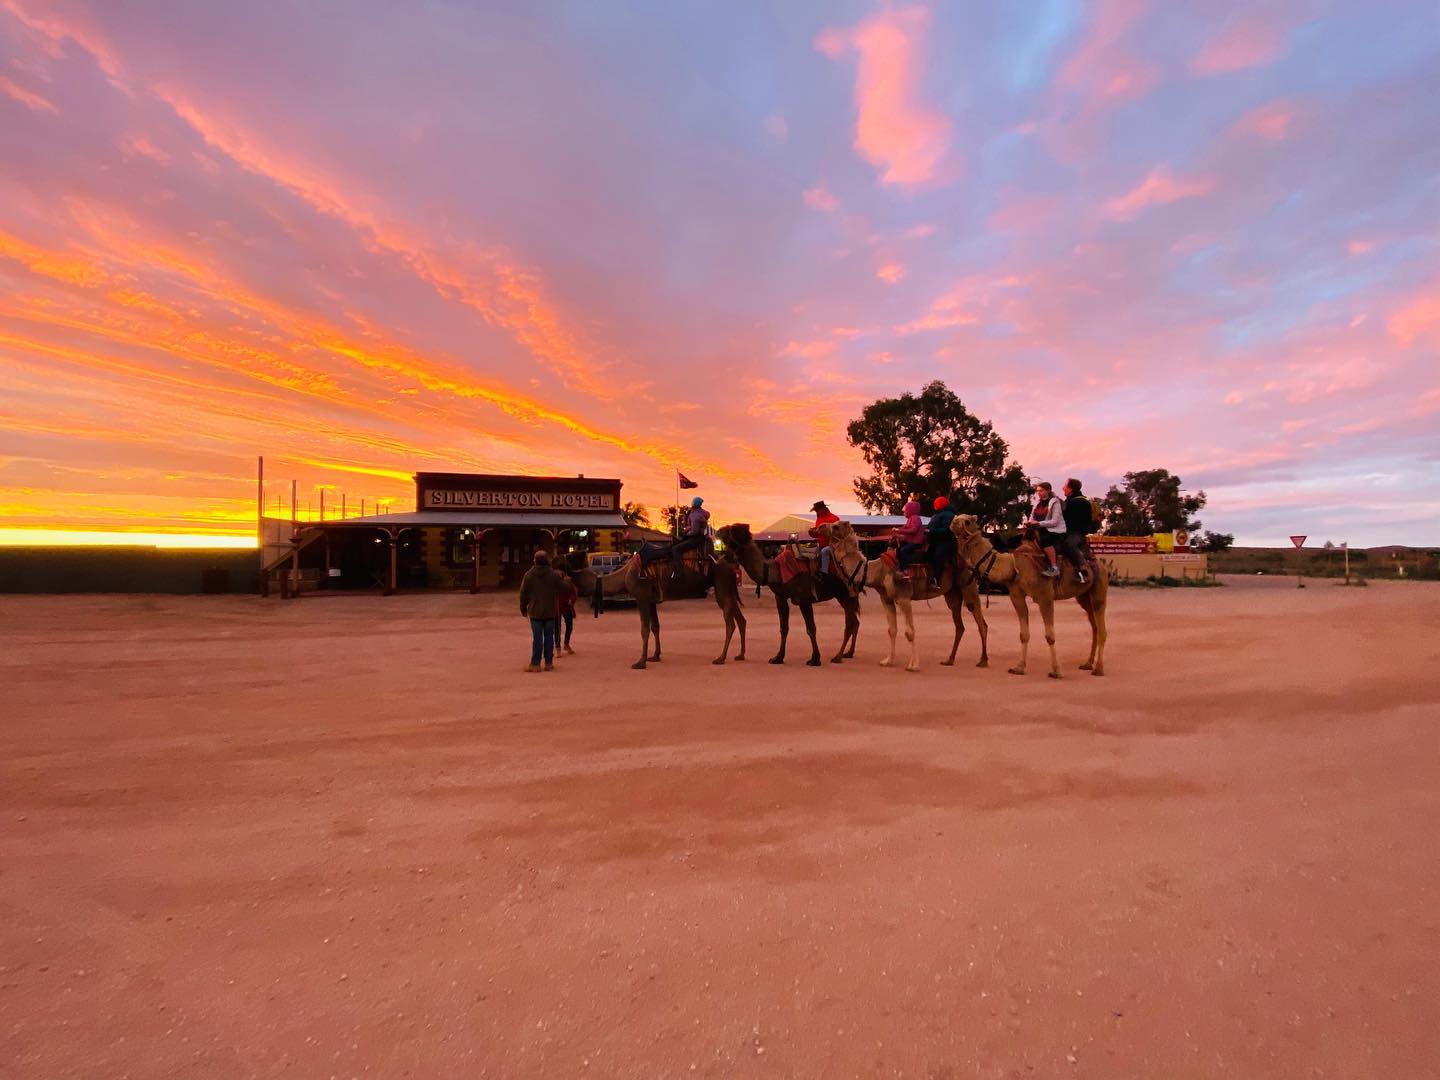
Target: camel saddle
(791, 564)
(919, 571)
(657, 563)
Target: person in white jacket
(1048, 520)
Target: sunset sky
(366, 238)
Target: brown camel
(632, 580)
(803, 590)
(1020, 571)
(957, 584)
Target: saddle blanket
(790, 567)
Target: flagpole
(675, 517)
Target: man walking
(540, 602)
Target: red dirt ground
(347, 836)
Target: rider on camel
(940, 538)
(1079, 524)
(697, 534)
(911, 539)
(823, 516)
(1048, 520)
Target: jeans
(908, 553)
(542, 640)
(1072, 546)
(690, 543)
(941, 556)
(569, 619)
(825, 560)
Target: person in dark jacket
(568, 595)
(540, 602)
(1079, 524)
(940, 538)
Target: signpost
(1299, 542)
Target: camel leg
(1047, 616)
(655, 625)
(909, 608)
(807, 612)
(972, 601)
(952, 601)
(889, 605)
(845, 637)
(1085, 605)
(1022, 612)
(729, 633)
(782, 608)
(639, 665)
(1098, 615)
(852, 627)
(740, 624)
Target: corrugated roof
(467, 519)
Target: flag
(685, 481)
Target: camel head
(736, 535)
(965, 527)
(845, 547)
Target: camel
(957, 585)
(803, 591)
(1020, 571)
(632, 580)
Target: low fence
(127, 570)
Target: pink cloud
(1270, 121)
(891, 272)
(920, 232)
(1418, 317)
(1158, 189)
(820, 198)
(896, 130)
(1024, 213)
(28, 98)
(777, 127)
(1360, 247)
(1245, 44)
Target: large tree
(930, 444)
(1148, 502)
(636, 514)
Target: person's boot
(1050, 571)
(569, 650)
(549, 665)
(532, 667)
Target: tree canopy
(1148, 502)
(930, 444)
(636, 514)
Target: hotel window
(458, 549)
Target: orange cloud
(28, 98)
(895, 129)
(1158, 189)
(1246, 44)
(891, 272)
(1271, 121)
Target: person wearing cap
(823, 516)
(941, 539)
(697, 530)
(540, 603)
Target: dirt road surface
(348, 837)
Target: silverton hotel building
(466, 530)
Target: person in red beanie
(942, 540)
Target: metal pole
(342, 504)
(293, 506)
(260, 504)
(322, 504)
(362, 506)
(1346, 547)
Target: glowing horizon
(620, 241)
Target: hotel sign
(529, 501)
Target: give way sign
(1298, 541)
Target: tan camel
(957, 585)
(632, 580)
(803, 590)
(1020, 572)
